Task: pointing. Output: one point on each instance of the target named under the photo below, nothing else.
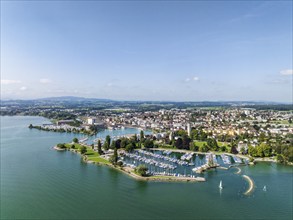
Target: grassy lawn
(77, 146)
(200, 143)
(91, 154)
(167, 146)
(98, 159)
(220, 144)
(284, 122)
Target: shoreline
(255, 159)
(251, 184)
(130, 171)
(58, 149)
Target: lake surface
(40, 183)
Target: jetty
(251, 185)
(204, 168)
(161, 178)
(238, 170)
(211, 162)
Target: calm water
(38, 182)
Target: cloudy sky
(147, 50)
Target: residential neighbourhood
(233, 129)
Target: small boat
(264, 188)
(220, 186)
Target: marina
(226, 159)
(170, 163)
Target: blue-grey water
(40, 183)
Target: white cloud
(45, 81)
(287, 72)
(23, 88)
(9, 81)
(195, 78)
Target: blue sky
(147, 50)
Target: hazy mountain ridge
(80, 100)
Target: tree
(61, 146)
(266, 149)
(129, 147)
(141, 136)
(193, 146)
(113, 144)
(108, 140)
(75, 140)
(262, 137)
(233, 150)
(204, 148)
(149, 143)
(223, 148)
(106, 146)
(202, 136)
(290, 153)
(117, 143)
(280, 158)
(181, 133)
(134, 138)
(141, 170)
(115, 155)
(252, 151)
(72, 146)
(100, 147)
(123, 143)
(185, 142)
(179, 143)
(260, 152)
(194, 134)
(83, 150)
(114, 158)
(212, 143)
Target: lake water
(40, 183)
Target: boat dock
(204, 168)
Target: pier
(251, 185)
(211, 162)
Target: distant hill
(96, 103)
(72, 99)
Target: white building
(188, 129)
(91, 121)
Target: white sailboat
(264, 188)
(220, 186)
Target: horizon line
(125, 100)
